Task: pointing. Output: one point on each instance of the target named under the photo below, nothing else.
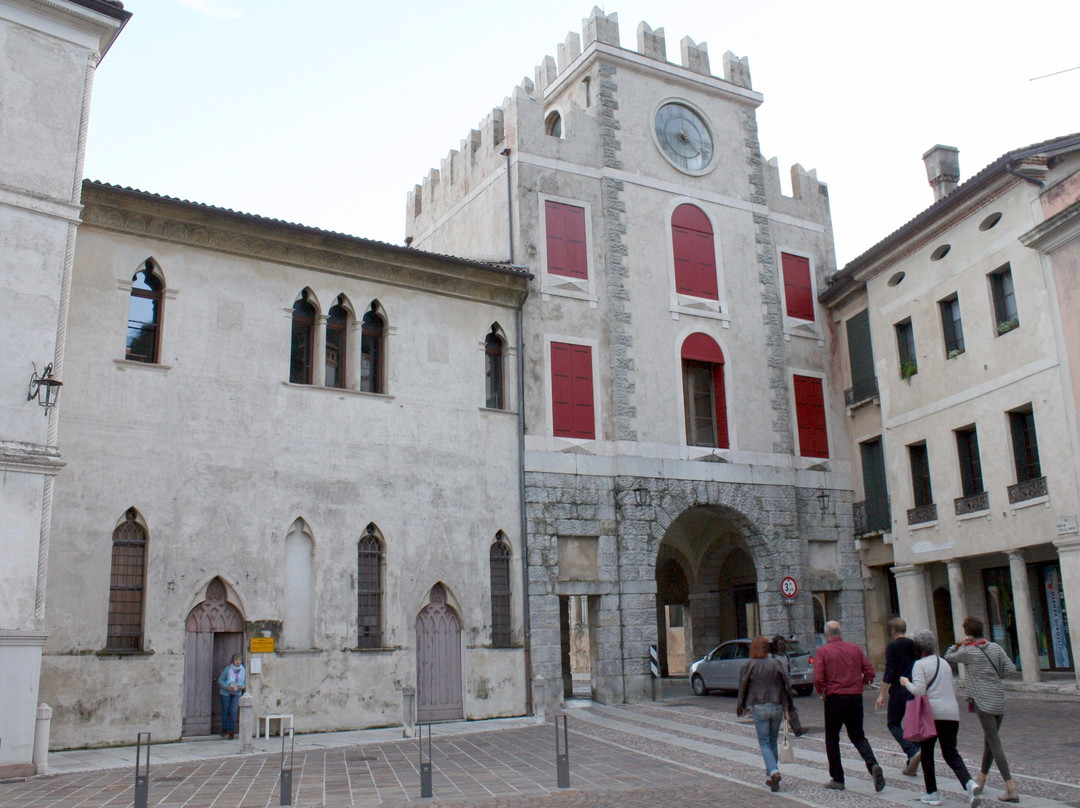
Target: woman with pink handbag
(932, 677)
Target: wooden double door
(438, 661)
(214, 632)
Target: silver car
(720, 669)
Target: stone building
(958, 343)
(48, 55)
(685, 447)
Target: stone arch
(214, 631)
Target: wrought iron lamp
(45, 388)
(823, 500)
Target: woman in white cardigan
(932, 677)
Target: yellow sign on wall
(262, 645)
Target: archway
(706, 550)
(214, 632)
(438, 661)
(672, 612)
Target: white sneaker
(934, 798)
(973, 790)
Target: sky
(328, 113)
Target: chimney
(942, 170)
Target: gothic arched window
(301, 356)
(372, 352)
(337, 323)
(144, 314)
(499, 558)
(495, 398)
(127, 585)
(369, 589)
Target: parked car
(720, 668)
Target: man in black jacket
(899, 658)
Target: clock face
(684, 137)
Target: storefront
(1048, 611)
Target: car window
(729, 651)
(795, 648)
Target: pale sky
(328, 113)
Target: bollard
(408, 711)
(562, 760)
(246, 723)
(425, 768)
(540, 699)
(287, 767)
(41, 738)
(142, 776)
(654, 668)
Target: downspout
(526, 619)
(1009, 169)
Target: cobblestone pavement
(685, 751)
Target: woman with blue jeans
(231, 686)
(764, 687)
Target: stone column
(408, 711)
(41, 738)
(911, 587)
(1025, 620)
(1069, 557)
(957, 601)
(245, 724)
(318, 352)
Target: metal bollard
(41, 738)
(562, 760)
(286, 770)
(425, 768)
(142, 777)
(654, 668)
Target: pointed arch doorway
(438, 661)
(214, 632)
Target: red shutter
(798, 291)
(810, 415)
(695, 258)
(572, 391)
(702, 348)
(566, 249)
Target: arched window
(369, 589)
(372, 351)
(703, 392)
(144, 314)
(493, 370)
(298, 613)
(695, 256)
(127, 585)
(553, 125)
(303, 340)
(499, 557)
(337, 322)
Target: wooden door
(215, 631)
(438, 661)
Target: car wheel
(699, 686)
(803, 691)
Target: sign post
(789, 588)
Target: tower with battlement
(679, 423)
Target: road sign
(789, 588)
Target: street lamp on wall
(45, 388)
(823, 500)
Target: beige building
(48, 55)
(680, 417)
(960, 368)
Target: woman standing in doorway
(231, 686)
(987, 664)
(764, 687)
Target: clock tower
(677, 416)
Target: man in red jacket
(841, 671)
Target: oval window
(895, 279)
(990, 221)
(940, 252)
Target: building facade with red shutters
(679, 423)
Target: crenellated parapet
(519, 123)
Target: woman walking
(987, 664)
(764, 687)
(932, 677)
(778, 651)
(231, 686)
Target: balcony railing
(863, 390)
(1028, 489)
(921, 514)
(872, 516)
(973, 504)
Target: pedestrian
(899, 659)
(778, 651)
(987, 664)
(841, 671)
(932, 677)
(764, 687)
(231, 686)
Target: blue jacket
(223, 681)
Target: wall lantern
(642, 496)
(45, 388)
(822, 500)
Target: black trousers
(845, 711)
(946, 733)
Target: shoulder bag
(918, 717)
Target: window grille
(126, 586)
(369, 591)
(500, 594)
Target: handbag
(786, 749)
(918, 717)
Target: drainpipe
(510, 208)
(1009, 169)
